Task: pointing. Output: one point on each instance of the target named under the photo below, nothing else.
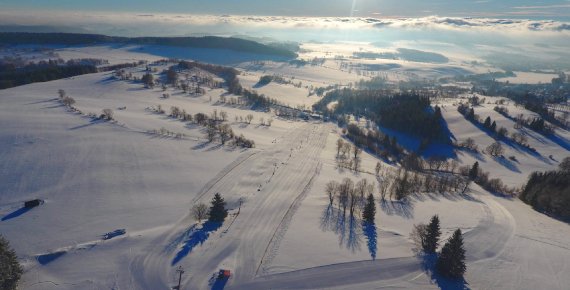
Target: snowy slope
(97, 177)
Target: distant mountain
(214, 42)
(41, 29)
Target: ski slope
(97, 177)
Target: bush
(68, 101)
(107, 114)
(264, 80)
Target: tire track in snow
(242, 246)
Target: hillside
(118, 193)
(212, 42)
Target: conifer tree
(10, 269)
(369, 209)
(218, 211)
(432, 235)
(451, 260)
(474, 171)
(471, 114)
(487, 123)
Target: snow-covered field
(97, 177)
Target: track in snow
(281, 174)
(486, 241)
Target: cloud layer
(195, 22)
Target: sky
(547, 9)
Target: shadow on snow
(194, 236)
(428, 265)
(16, 213)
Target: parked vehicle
(224, 274)
(33, 203)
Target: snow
(100, 176)
(530, 78)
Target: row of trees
(348, 155)
(537, 124)
(496, 149)
(215, 129)
(106, 114)
(477, 175)
(375, 141)
(469, 114)
(451, 259)
(351, 196)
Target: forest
(409, 112)
(11, 76)
(549, 191)
(236, 44)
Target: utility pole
(180, 271)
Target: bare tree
(469, 143)
(361, 189)
(378, 168)
(225, 132)
(339, 146)
(346, 149)
(356, 152)
(345, 189)
(418, 237)
(495, 149)
(200, 211)
(224, 116)
(249, 118)
(331, 189)
(107, 114)
(68, 101)
(383, 187)
(353, 199)
(454, 164)
(211, 132)
(62, 94)
(466, 187)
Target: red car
(224, 274)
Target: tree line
(549, 191)
(495, 149)
(33, 73)
(214, 127)
(211, 42)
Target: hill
(213, 42)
